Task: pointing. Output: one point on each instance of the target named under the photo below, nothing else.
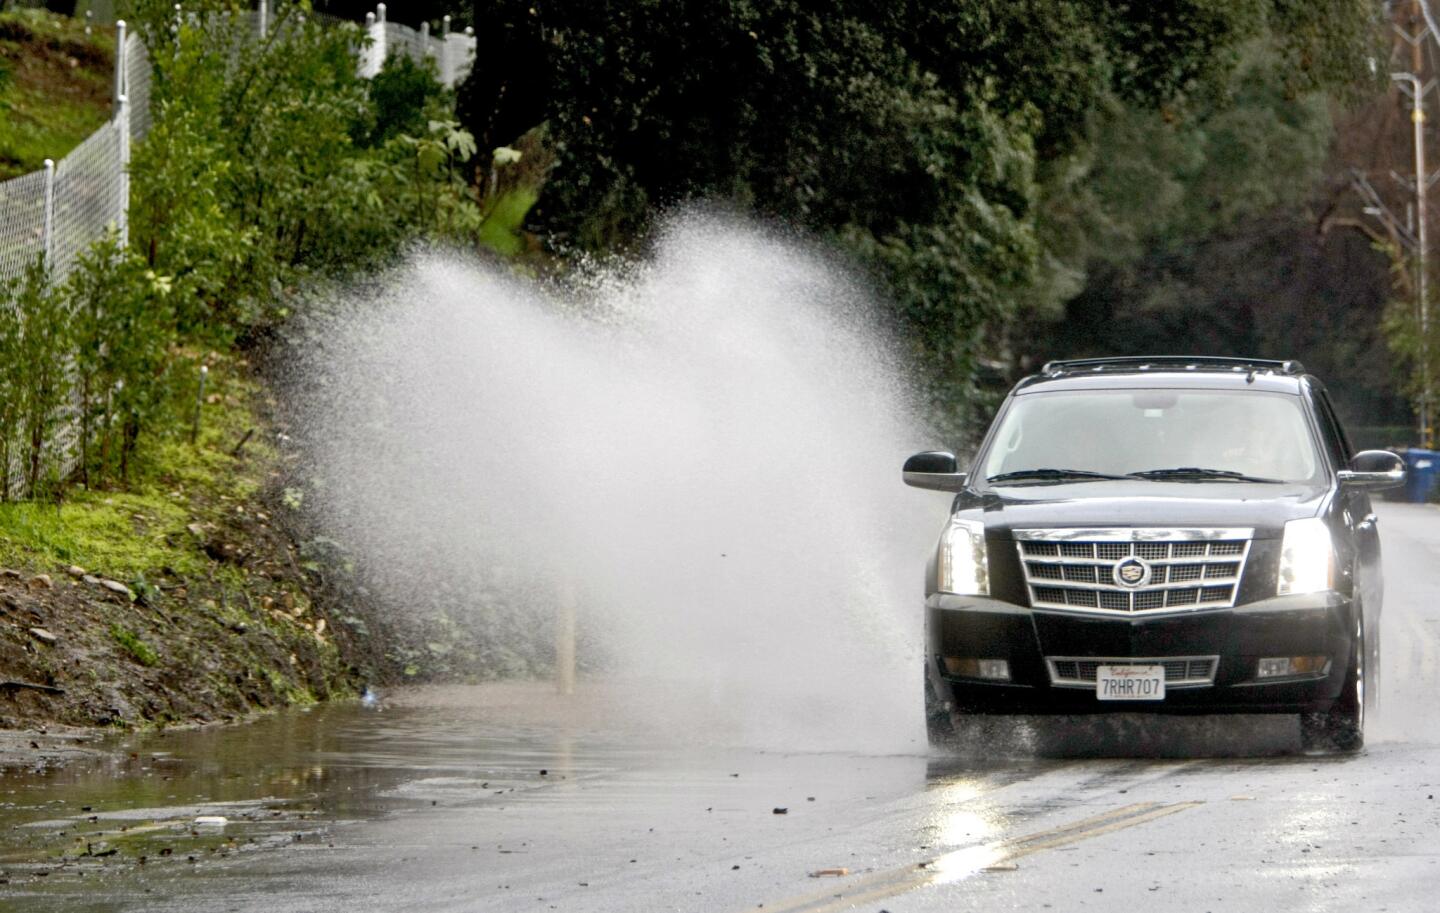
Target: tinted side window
(1335, 440)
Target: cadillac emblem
(1132, 572)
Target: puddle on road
(288, 778)
(296, 778)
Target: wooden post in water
(565, 639)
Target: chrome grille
(1180, 671)
(1187, 568)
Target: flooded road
(506, 798)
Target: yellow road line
(968, 861)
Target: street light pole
(1422, 247)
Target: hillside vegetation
(169, 577)
(56, 84)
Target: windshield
(1120, 432)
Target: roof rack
(1171, 363)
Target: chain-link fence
(22, 222)
(69, 204)
(61, 210)
(136, 83)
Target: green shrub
(130, 642)
(123, 329)
(404, 95)
(272, 163)
(35, 338)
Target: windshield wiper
(1051, 475)
(1196, 472)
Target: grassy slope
(59, 87)
(125, 533)
(222, 622)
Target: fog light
(1281, 666)
(993, 669)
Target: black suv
(1182, 535)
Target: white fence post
(122, 211)
(121, 63)
(264, 17)
(382, 39)
(121, 122)
(445, 51)
(49, 214)
(367, 61)
(471, 49)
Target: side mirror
(1374, 469)
(934, 469)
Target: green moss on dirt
(57, 89)
(139, 650)
(220, 618)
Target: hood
(1264, 507)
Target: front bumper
(980, 627)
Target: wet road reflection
(503, 797)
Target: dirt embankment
(180, 599)
(84, 650)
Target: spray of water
(704, 447)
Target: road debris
(828, 873)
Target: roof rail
(1171, 362)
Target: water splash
(705, 446)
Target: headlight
(961, 566)
(1307, 559)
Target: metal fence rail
(70, 204)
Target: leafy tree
(935, 140)
(1198, 236)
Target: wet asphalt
(502, 798)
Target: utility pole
(1417, 90)
(1413, 27)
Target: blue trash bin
(1422, 469)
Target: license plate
(1130, 683)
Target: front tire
(1342, 727)
(939, 718)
